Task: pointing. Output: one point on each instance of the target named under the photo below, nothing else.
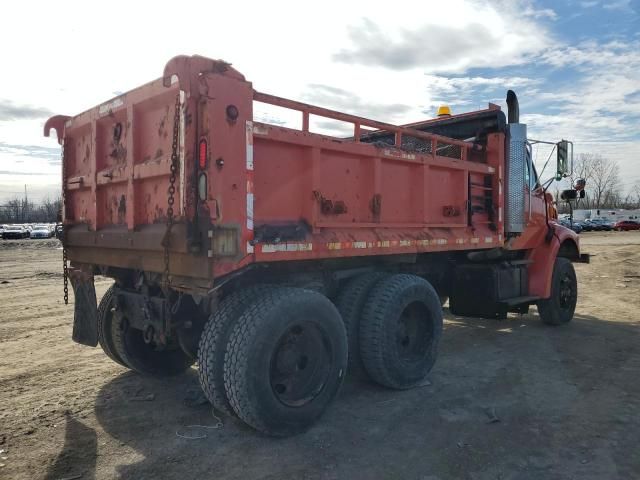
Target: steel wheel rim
(300, 364)
(414, 333)
(567, 292)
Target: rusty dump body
(273, 194)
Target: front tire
(285, 361)
(400, 330)
(559, 308)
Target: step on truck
(280, 258)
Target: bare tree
(604, 180)
(50, 208)
(13, 209)
(19, 210)
(583, 169)
(634, 196)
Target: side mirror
(563, 168)
(569, 194)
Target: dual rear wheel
(277, 356)
(126, 345)
(394, 324)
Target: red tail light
(202, 154)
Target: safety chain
(172, 190)
(63, 236)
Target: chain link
(171, 190)
(63, 233)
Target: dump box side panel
(318, 197)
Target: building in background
(607, 214)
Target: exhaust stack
(513, 107)
(516, 169)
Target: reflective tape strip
(249, 146)
(249, 209)
(307, 247)
(249, 175)
(286, 247)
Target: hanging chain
(63, 233)
(172, 190)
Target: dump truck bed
(250, 192)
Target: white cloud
(624, 5)
(394, 66)
(437, 43)
(541, 13)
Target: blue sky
(575, 65)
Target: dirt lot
(508, 399)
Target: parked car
(575, 226)
(15, 231)
(625, 225)
(595, 225)
(603, 224)
(41, 231)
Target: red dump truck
(277, 257)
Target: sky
(575, 65)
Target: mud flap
(85, 314)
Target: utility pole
(25, 210)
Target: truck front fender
(563, 243)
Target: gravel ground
(508, 399)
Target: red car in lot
(626, 225)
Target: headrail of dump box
(359, 122)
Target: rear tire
(105, 325)
(350, 304)
(559, 308)
(146, 358)
(285, 361)
(400, 331)
(213, 345)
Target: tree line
(604, 188)
(21, 210)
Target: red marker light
(202, 154)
